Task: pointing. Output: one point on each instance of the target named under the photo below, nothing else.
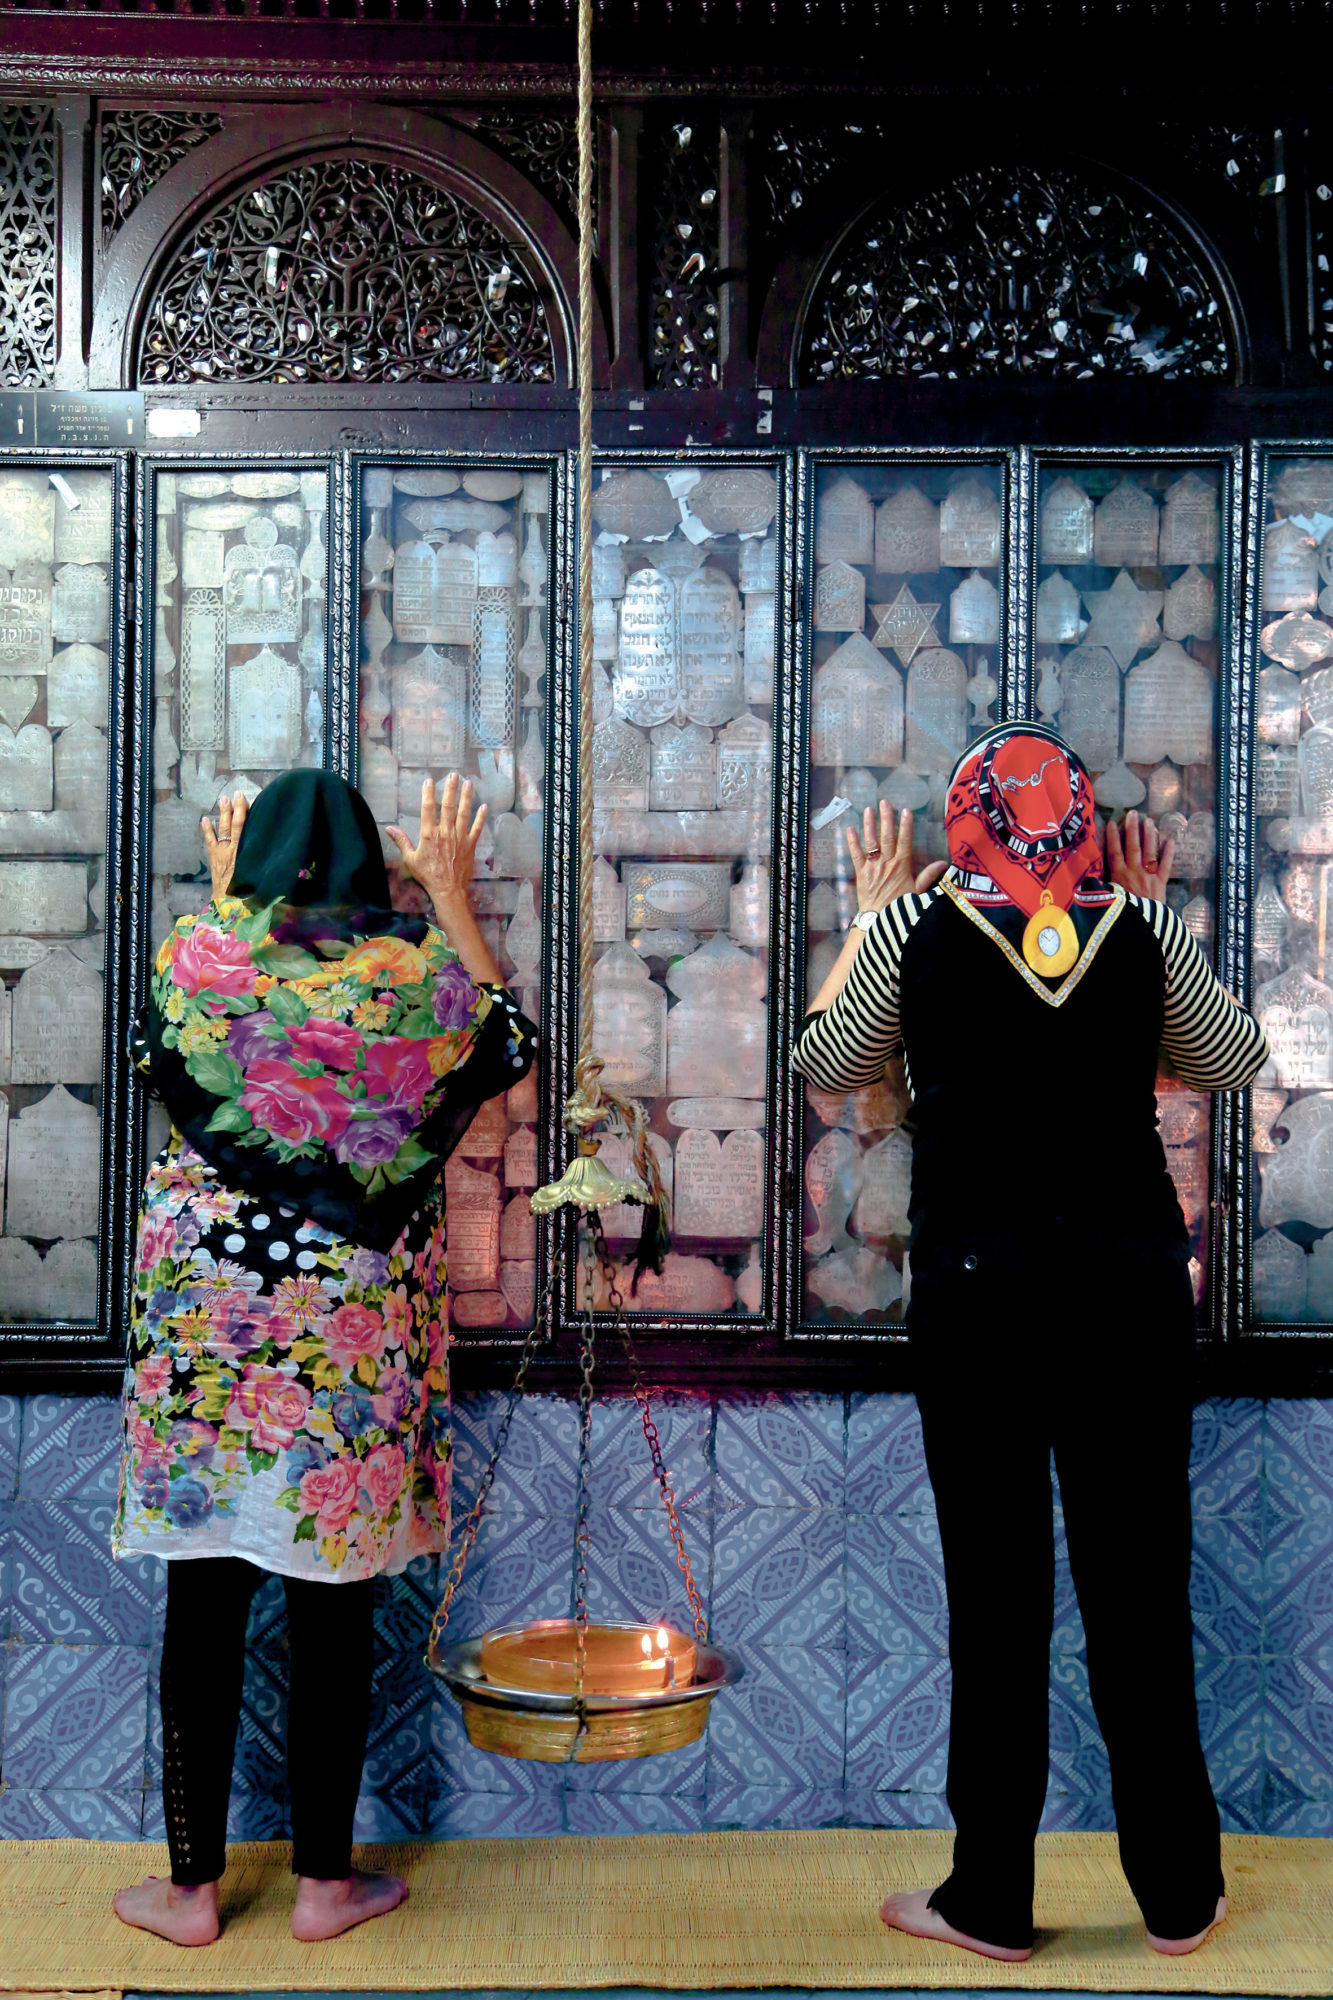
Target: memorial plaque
(1297, 641)
(646, 678)
(719, 1191)
(434, 594)
(479, 1308)
(974, 612)
(637, 505)
(83, 533)
(1196, 844)
(1290, 569)
(485, 1137)
(840, 599)
(1124, 618)
(856, 707)
(1277, 782)
(523, 935)
(25, 619)
(472, 1227)
(665, 894)
(1169, 709)
(858, 1282)
(745, 765)
(203, 558)
(1124, 528)
(760, 642)
(759, 566)
(1190, 611)
(44, 898)
(1315, 755)
(886, 1188)
(1164, 789)
(1090, 709)
(844, 523)
(26, 772)
(1304, 486)
(27, 519)
(57, 1022)
(497, 562)
(22, 1288)
(80, 604)
(1057, 615)
(936, 719)
(55, 1168)
(493, 485)
(605, 629)
(1317, 689)
(68, 1289)
(1297, 1178)
(178, 844)
(608, 571)
(906, 791)
(711, 675)
(1182, 1116)
(735, 501)
(377, 780)
(686, 1285)
(203, 485)
(1300, 890)
(970, 525)
(428, 708)
(629, 1023)
(1278, 1278)
(18, 697)
(1296, 1013)
(1268, 923)
(264, 712)
(492, 697)
(518, 845)
(750, 901)
(832, 1181)
(264, 485)
(684, 769)
(905, 625)
(1118, 789)
(622, 1221)
(1265, 1106)
(608, 904)
(1279, 705)
(454, 516)
(425, 485)
(521, 1170)
(1065, 534)
(261, 589)
(203, 670)
(907, 534)
(77, 687)
(718, 1114)
(1191, 522)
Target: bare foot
(1177, 1947)
(184, 1916)
(910, 1913)
(324, 1909)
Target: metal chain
(654, 1443)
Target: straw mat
(660, 1910)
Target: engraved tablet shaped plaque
(605, 629)
(858, 1282)
(759, 565)
(970, 527)
(1290, 569)
(454, 516)
(429, 692)
(1169, 709)
(377, 780)
(472, 1227)
(1318, 692)
(717, 1036)
(634, 504)
(83, 533)
(80, 603)
(629, 1022)
(719, 1186)
(936, 723)
(1268, 923)
(485, 1136)
(203, 558)
(497, 562)
(719, 1114)
(1278, 1278)
(684, 769)
(25, 619)
(1125, 527)
(1297, 641)
(1278, 710)
(27, 518)
(974, 612)
(1057, 617)
(735, 501)
(1305, 486)
(1066, 524)
(646, 677)
(905, 625)
(1297, 1179)
(745, 765)
(81, 769)
(68, 1289)
(662, 895)
(264, 712)
(886, 1189)
(832, 1181)
(686, 1285)
(261, 589)
(760, 644)
(434, 594)
(1119, 788)
(202, 670)
(844, 523)
(711, 674)
(520, 1156)
(77, 686)
(54, 1178)
(620, 767)
(18, 696)
(608, 904)
(1090, 709)
(1190, 611)
(1196, 844)
(1277, 779)
(1191, 522)
(57, 1024)
(907, 534)
(1296, 1013)
(1315, 757)
(27, 778)
(608, 571)
(491, 687)
(1124, 618)
(840, 599)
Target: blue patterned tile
(895, 1585)
(866, 1807)
(898, 1724)
(1227, 1587)
(632, 1568)
(1307, 1819)
(68, 1815)
(65, 1584)
(886, 1459)
(255, 1815)
(779, 1578)
(521, 1567)
(538, 1467)
(1298, 1615)
(766, 1808)
(75, 1717)
(395, 1814)
(1079, 1765)
(632, 1812)
(1231, 1723)
(455, 1815)
(1227, 1456)
(1298, 1456)
(781, 1450)
(459, 1766)
(1076, 1812)
(622, 1466)
(397, 1767)
(783, 1724)
(11, 1419)
(71, 1448)
(153, 1823)
(6, 1571)
(405, 1605)
(1299, 1729)
(1243, 1815)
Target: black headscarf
(310, 842)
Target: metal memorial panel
(1128, 631)
(454, 622)
(900, 681)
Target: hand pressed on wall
(1134, 861)
(223, 843)
(882, 859)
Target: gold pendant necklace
(1050, 942)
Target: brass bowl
(543, 1725)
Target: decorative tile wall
(811, 1526)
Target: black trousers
(1018, 1356)
(328, 1716)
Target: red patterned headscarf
(1020, 809)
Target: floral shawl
(316, 1072)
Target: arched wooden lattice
(345, 270)
(1016, 270)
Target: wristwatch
(864, 920)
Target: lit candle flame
(662, 1638)
(646, 1643)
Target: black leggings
(203, 1661)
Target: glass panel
(905, 641)
(55, 610)
(239, 666)
(1125, 626)
(454, 580)
(684, 583)
(1291, 1273)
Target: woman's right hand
(222, 844)
(445, 854)
(882, 858)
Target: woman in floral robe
(319, 1056)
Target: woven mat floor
(704, 1910)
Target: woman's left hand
(1135, 862)
(223, 844)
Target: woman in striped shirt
(1051, 1306)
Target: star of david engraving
(1124, 618)
(905, 625)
